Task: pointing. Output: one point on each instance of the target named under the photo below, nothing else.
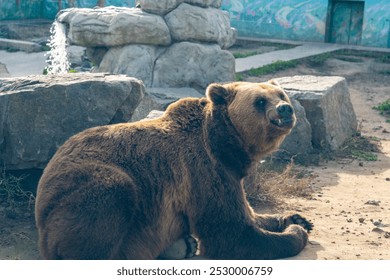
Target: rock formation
(38, 113)
(169, 43)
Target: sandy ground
(350, 206)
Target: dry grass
(271, 183)
(360, 147)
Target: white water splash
(57, 57)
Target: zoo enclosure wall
(354, 22)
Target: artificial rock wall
(168, 43)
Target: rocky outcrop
(114, 26)
(168, 43)
(327, 105)
(165, 6)
(192, 23)
(132, 60)
(194, 65)
(297, 144)
(38, 113)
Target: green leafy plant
(317, 60)
(384, 109)
(244, 54)
(360, 147)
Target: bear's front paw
(295, 219)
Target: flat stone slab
(19, 45)
(114, 26)
(327, 105)
(38, 113)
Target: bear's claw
(297, 220)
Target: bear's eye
(282, 97)
(261, 103)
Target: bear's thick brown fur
(129, 191)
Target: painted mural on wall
(289, 19)
(376, 26)
(51, 7)
(16, 9)
(303, 20)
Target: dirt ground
(350, 200)
(350, 203)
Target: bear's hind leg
(90, 216)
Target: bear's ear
(217, 93)
(274, 82)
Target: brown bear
(129, 191)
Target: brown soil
(349, 201)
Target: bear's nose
(285, 110)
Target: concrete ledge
(18, 45)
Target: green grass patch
(272, 68)
(240, 77)
(367, 156)
(384, 72)
(317, 60)
(384, 109)
(361, 148)
(244, 54)
(378, 56)
(384, 58)
(349, 58)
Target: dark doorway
(388, 36)
(346, 23)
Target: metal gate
(346, 22)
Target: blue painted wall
(288, 19)
(303, 20)
(24, 9)
(376, 24)
(51, 7)
(18, 9)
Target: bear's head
(261, 113)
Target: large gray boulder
(159, 7)
(205, 3)
(194, 65)
(193, 23)
(328, 107)
(133, 60)
(38, 113)
(160, 98)
(297, 144)
(114, 26)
